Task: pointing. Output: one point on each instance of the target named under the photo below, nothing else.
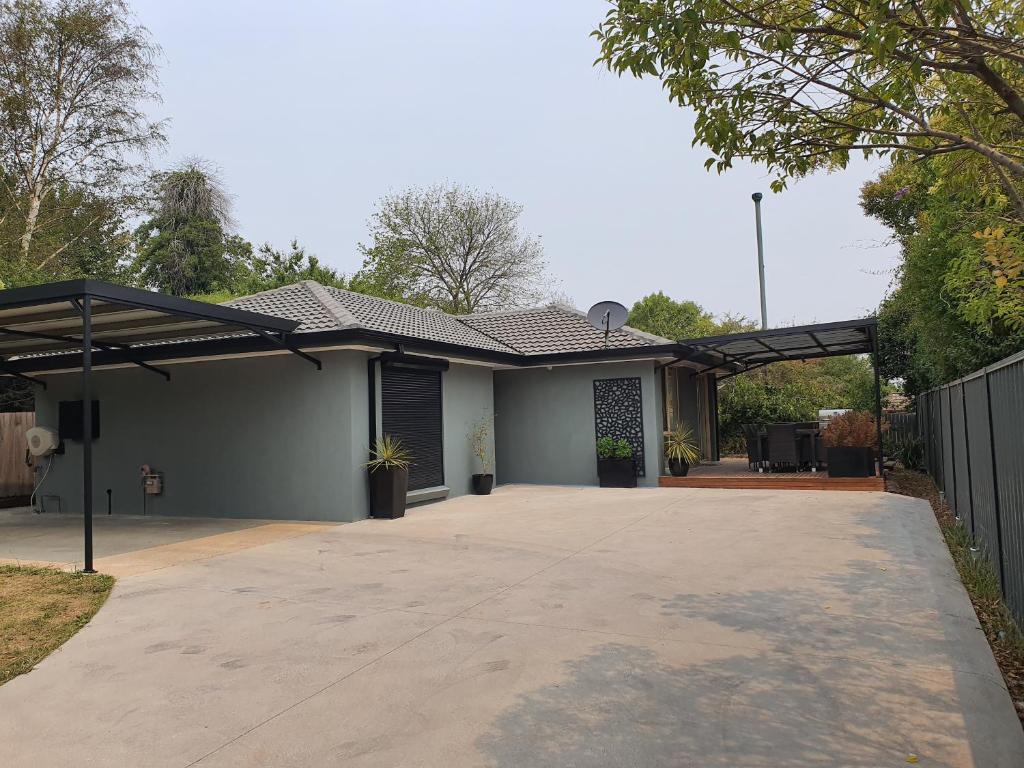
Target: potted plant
(480, 444)
(389, 478)
(849, 439)
(615, 465)
(681, 450)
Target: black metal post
(87, 429)
(878, 404)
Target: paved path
(540, 627)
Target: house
(266, 407)
(261, 433)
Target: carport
(83, 324)
(736, 353)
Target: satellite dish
(607, 316)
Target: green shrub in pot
(389, 477)
(681, 450)
(615, 465)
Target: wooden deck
(733, 473)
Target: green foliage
(270, 268)
(680, 445)
(189, 257)
(677, 320)
(799, 85)
(388, 453)
(908, 450)
(793, 391)
(79, 234)
(957, 303)
(480, 442)
(614, 448)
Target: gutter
(250, 345)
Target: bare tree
(452, 248)
(73, 76)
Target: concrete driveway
(541, 627)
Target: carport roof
(44, 320)
(742, 351)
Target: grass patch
(40, 609)
(980, 579)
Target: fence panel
(982, 489)
(1006, 388)
(961, 499)
(946, 448)
(902, 424)
(973, 433)
(15, 476)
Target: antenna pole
(756, 197)
(607, 325)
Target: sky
(315, 109)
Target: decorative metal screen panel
(618, 413)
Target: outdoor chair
(752, 436)
(782, 446)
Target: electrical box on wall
(153, 483)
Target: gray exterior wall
(467, 393)
(263, 437)
(544, 422)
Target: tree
(676, 320)
(658, 314)
(957, 302)
(84, 233)
(798, 85)
(270, 268)
(73, 76)
(452, 248)
(184, 248)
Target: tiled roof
(553, 329)
(543, 330)
(323, 308)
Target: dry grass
(980, 579)
(40, 609)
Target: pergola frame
(735, 353)
(80, 311)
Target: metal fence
(900, 424)
(973, 433)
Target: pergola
(736, 353)
(77, 320)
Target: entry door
(411, 411)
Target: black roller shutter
(411, 411)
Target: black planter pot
(616, 473)
(851, 462)
(388, 488)
(678, 468)
(482, 484)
